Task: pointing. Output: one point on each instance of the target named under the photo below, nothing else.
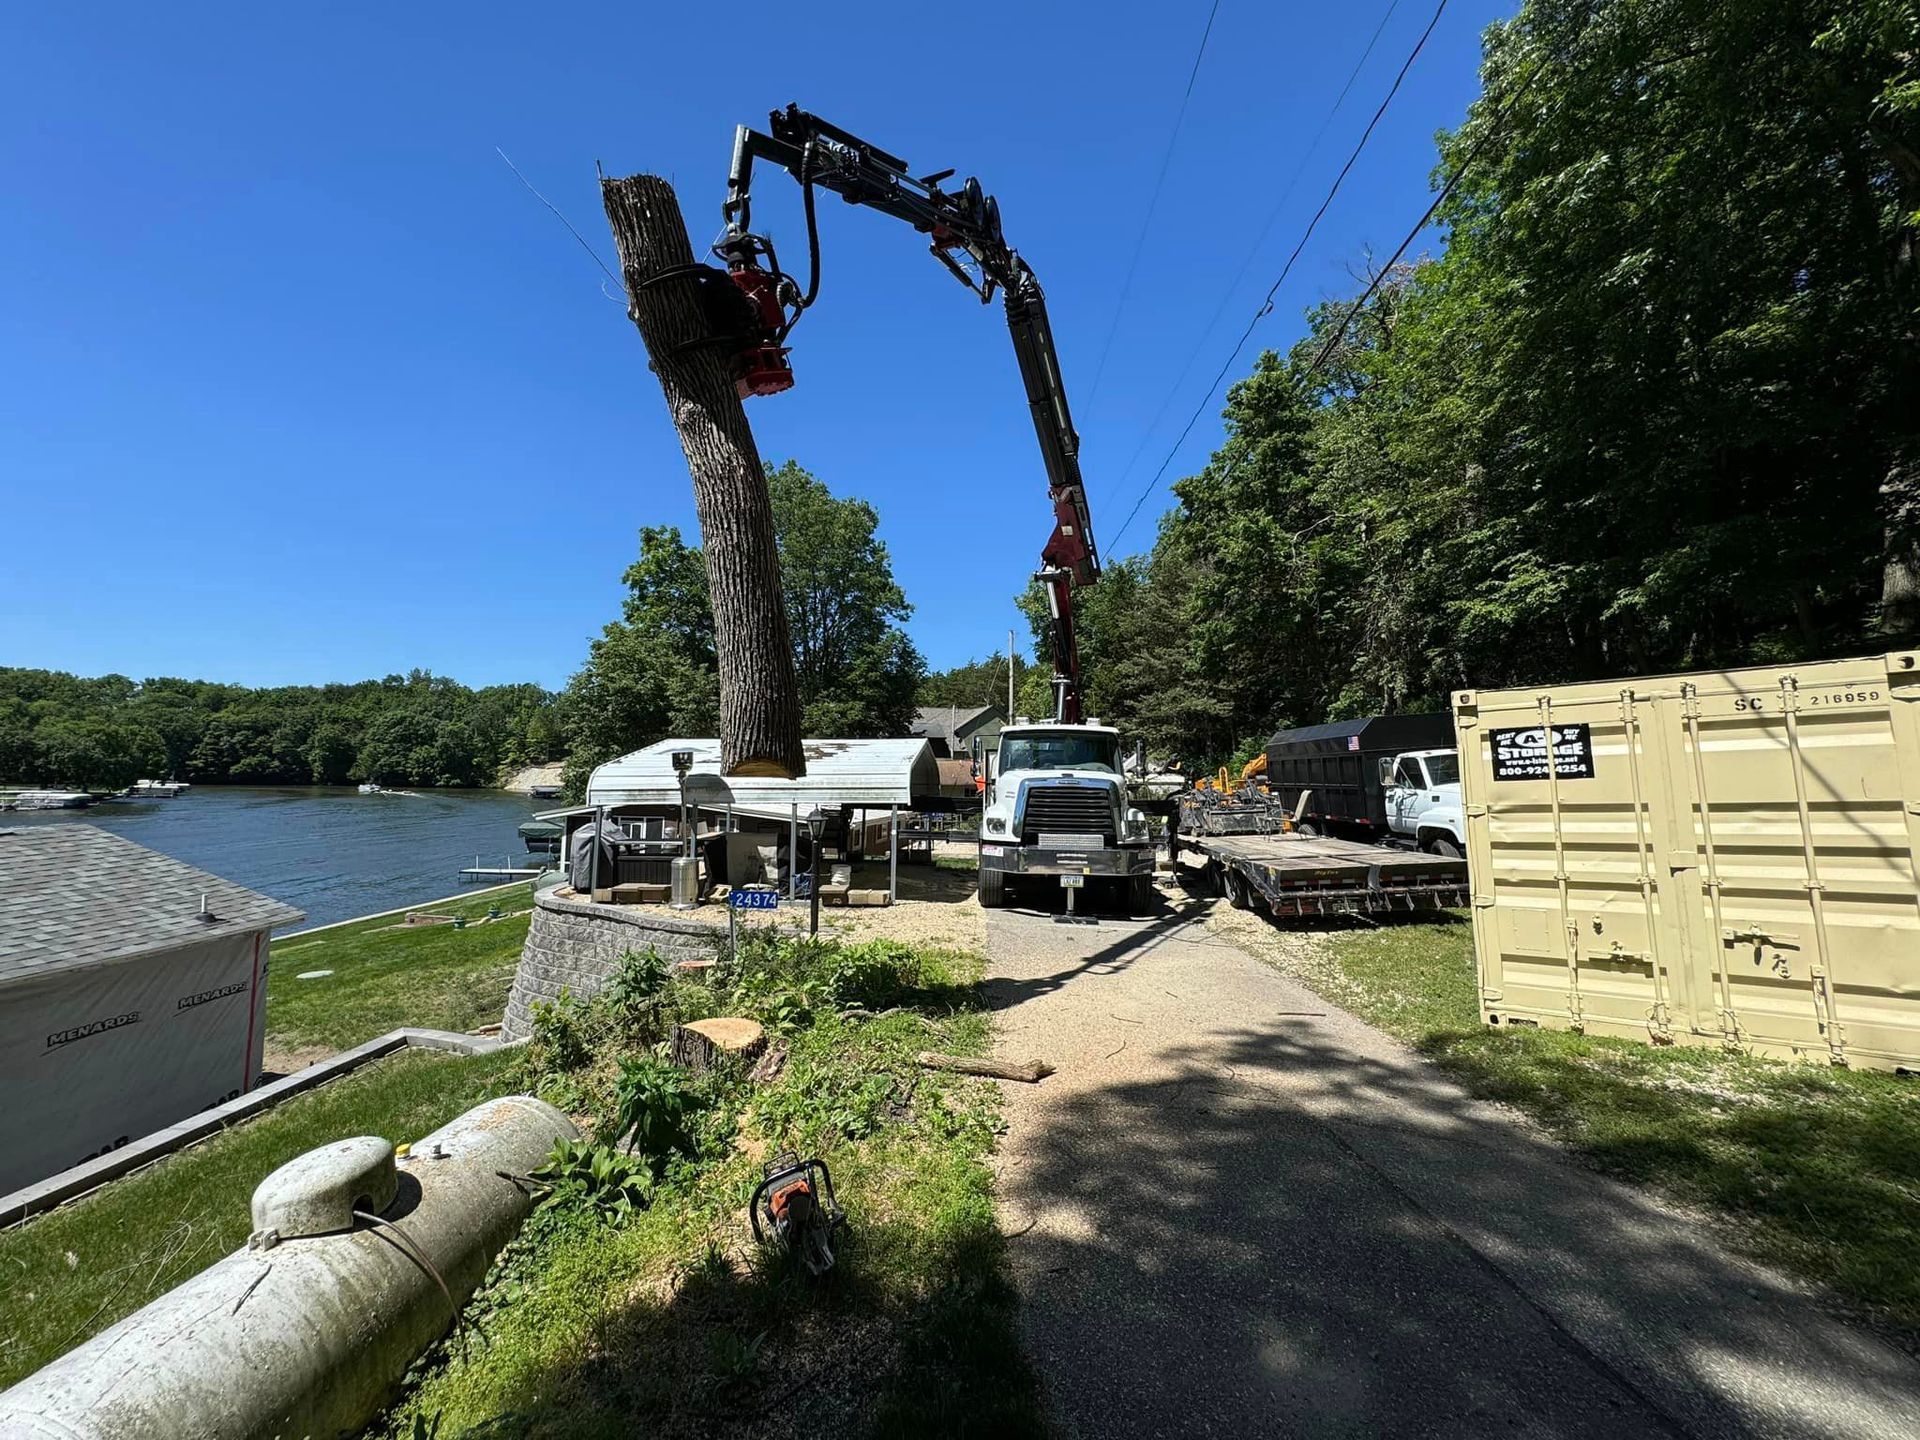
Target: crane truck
(1056, 807)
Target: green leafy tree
(1653, 408)
(652, 673)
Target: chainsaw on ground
(794, 1210)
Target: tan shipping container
(1723, 858)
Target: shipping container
(1723, 858)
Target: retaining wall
(575, 946)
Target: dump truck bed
(1317, 875)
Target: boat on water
(51, 800)
(367, 787)
(157, 789)
(542, 837)
(543, 792)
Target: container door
(1802, 786)
(1573, 890)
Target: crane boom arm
(963, 227)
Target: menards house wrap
(1719, 858)
(132, 993)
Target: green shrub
(634, 993)
(654, 1106)
(582, 1173)
(562, 1036)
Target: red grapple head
(762, 363)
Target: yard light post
(685, 871)
(816, 826)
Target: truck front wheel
(1139, 894)
(993, 889)
(1444, 846)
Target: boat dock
(479, 873)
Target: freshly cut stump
(699, 1045)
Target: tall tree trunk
(759, 695)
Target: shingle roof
(73, 896)
(945, 722)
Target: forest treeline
(414, 729)
(1653, 408)
(650, 674)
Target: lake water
(332, 852)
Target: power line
(562, 218)
(1453, 183)
(1146, 223)
(1266, 304)
(1253, 252)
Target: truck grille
(1067, 810)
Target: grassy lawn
(669, 1320)
(387, 974)
(1817, 1168)
(71, 1273)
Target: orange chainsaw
(794, 1210)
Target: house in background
(950, 729)
(133, 994)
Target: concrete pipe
(308, 1331)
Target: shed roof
(74, 896)
(950, 722)
(839, 772)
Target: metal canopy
(869, 774)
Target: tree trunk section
(1031, 1073)
(700, 1045)
(759, 694)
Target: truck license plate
(1073, 882)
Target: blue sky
(298, 383)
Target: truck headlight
(1137, 828)
(996, 825)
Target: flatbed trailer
(1291, 875)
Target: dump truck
(1381, 778)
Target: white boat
(367, 787)
(52, 800)
(157, 789)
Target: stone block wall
(574, 945)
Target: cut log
(699, 1045)
(759, 693)
(1031, 1073)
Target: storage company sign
(1521, 753)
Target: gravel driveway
(1239, 1211)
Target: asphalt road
(1237, 1210)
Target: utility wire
(1453, 183)
(562, 218)
(1153, 203)
(1253, 252)
(1266, 304)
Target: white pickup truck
(1422, 793)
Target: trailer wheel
(1236, 887)
(993, 889)
(1310, 830)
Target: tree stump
(699, 1045)
(759, 692)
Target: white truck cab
(1422, 793)
(1056, 808)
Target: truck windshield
(1059, 752)
(1443, 769)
